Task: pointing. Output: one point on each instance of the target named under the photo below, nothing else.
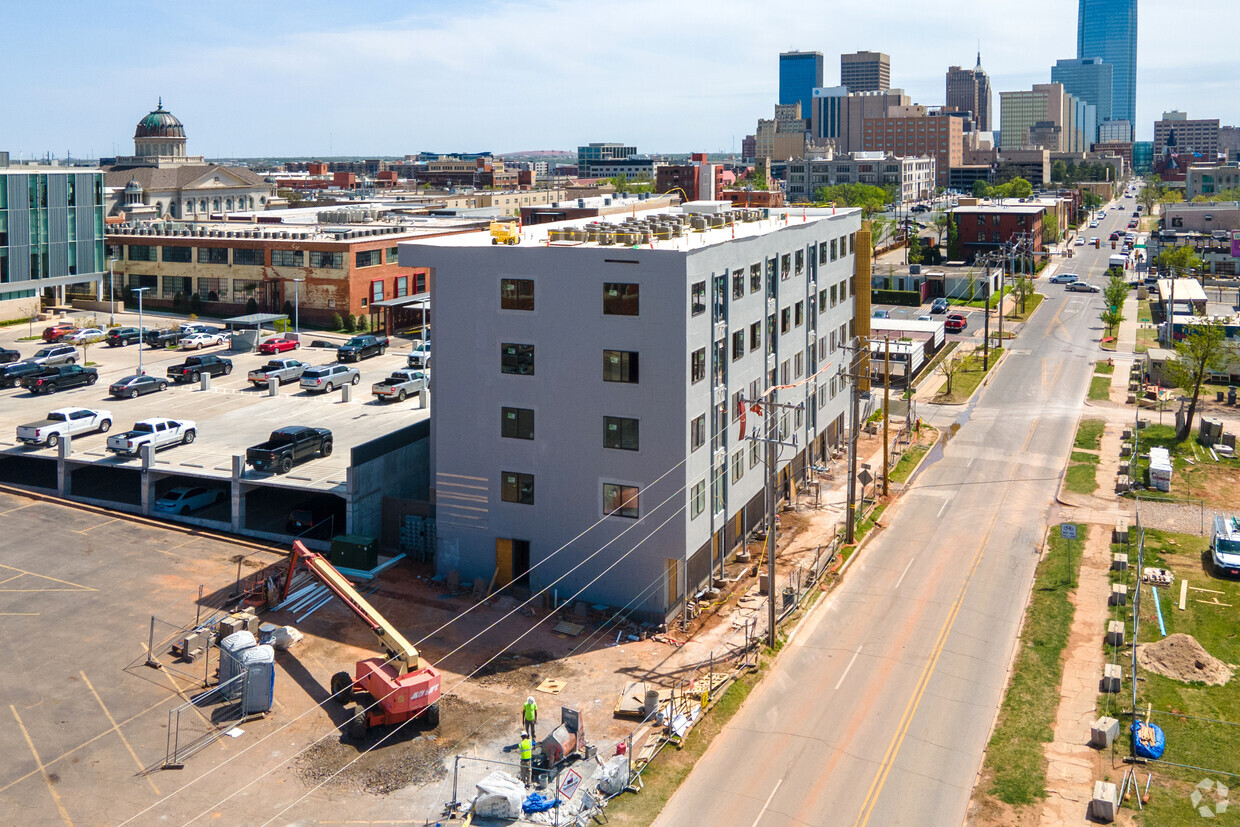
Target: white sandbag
(500, 795)
(284, 637)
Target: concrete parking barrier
(346, 393)
(273, 386)
(204, 382)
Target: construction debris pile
(1181, 658)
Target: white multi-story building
(586, 425)
(912, 177)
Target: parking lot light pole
(141, 332)
(111, 293)
(296, 317)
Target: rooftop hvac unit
(606, 202)
(581, 202)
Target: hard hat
(530, 699)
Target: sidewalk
(1125, 345)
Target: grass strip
(908, 462)
(1100, 388)
(969, 376)
(1089, 434)
(1015, 755)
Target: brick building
(699, 180)
(938, 136)
(985, 228)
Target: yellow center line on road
(47, 779)
(889, 759)
(1033, 426)
(115, 726)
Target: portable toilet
(258, 663)
(231, 649)
(1160, 469)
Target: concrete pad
(1112, 677)
(1115, 633)
(1103, 731)
(1105, 803)
(1119, 594)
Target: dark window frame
(621, 298)
(621, 433)
(624, 505)
(513, 294)
(516, 423)
(516, 487)
(621, 366)
(514, 362)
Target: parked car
(955, 322)
(284, 370)
(160, 339)
(11, 374)
(399, 385)
(136, 385)
(881, 314)
(56, 331)
(55, 355)
(189, 328)
(278, 345)
(1225, 546)
(1136, 214)
(1114, 236)
(939, 306)
(195, 366)
(122, 336)
(1093, 224)
(83, 336)
(1081, 287)
(420, 356)
(54, 378)
(197, 341)
(1064, 278)
(316, 517)
(925, 317)
(64, 422)
(184, 499)
(362, 347)
(7, 355)
(1080, 241)
(329, 377)
(289, 445)
(157, 432)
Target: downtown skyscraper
(1108, 29)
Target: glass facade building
(51, 229)
(1088, 79)
(1107, 29)
(800, 73)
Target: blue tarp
(536, 803)
(1154, 750)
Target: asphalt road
(879, 709)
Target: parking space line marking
(116, 727)
(76, 586)
(47, 779)
(19, 614)
(7, 579)
(92, 528)
(14, 510)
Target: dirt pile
(1180, 657)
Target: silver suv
(55, 355)
(329, 377)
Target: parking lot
(229, 417)
(972, 314)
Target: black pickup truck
(288, 445)
(362, 347)
(195, 366)
(160, 339)
(52, 379)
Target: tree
(251, 306)
(868, 198)
(362, 324)
(1022, 288)
(350, 323)
(1201, 351)
(941, 222)
(1111, 318)
(1091, 200)
(954, 250)
(1179, 260)
(1115, 292)
(952, 365)
(914, 249)
(195, 304)
(1059, 171)
(1050, 228)
(1170, 196)
(981, 189)
(1020, 188)
(337, 322)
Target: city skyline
(292, 79)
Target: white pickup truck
(282, 370)
(64, 422)
(158, 433)
(399, 385)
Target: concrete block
(229, 625)
(204, 382)
(1112, 677)
(1103, 731)
(1126, 434)
(1105, 803)
(1115, 632)
(1122, 483)
(1131, 399)
(1125, 449)
(273, 387)
(1142, 423)
(346, 393)
(1124, 468)
(1119, 594)
(1119, 561)
(1121, 531)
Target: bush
(195, 304)
(287, 310)
(337, 322)
(362, 324)
(350, 323)
(907, 298)
(178, 302)
(251, 306)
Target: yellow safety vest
(531, 711)
(527, 749)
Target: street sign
(865, 477)
(1067, 531)
(570, 784)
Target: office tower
(800, 73)
(968, 90)
(1088, 79)
(865, 72)
(1107, 29)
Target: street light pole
(296, 316)
(112, 295)
(141, 332)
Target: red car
(956, 322)
(58, 331)
(272, 346)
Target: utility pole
(771, 512)
(1002, 275)
(850, 531)
(886, 410)
(986, 323)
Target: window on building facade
(799, 314)
(798, 365)
(834, 253)
(211, 289)
(738, 466)
(785, 269)
(517, 359)
(822, 253)
(335, 261)
(697, 432)
(697, 499)
(212, 255)
(288, 258)
(245, 256)
(517, 488)
(620, 366)
(402, 286)
(738, 284)
(755, 453)
(180, 255)
(376, 290)
(798, 259)
(620, 433)
(755, 336)
(697, 365)
(620, 500)
(393, 255)
(516, 294)
(755, 278)
(785, 320)
(620, 299)
(516, 423)
(697, 301)
(738, 345)
(142, 252)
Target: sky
(323, 78)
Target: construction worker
(529, 715)
(527, 757)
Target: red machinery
(387, 691)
